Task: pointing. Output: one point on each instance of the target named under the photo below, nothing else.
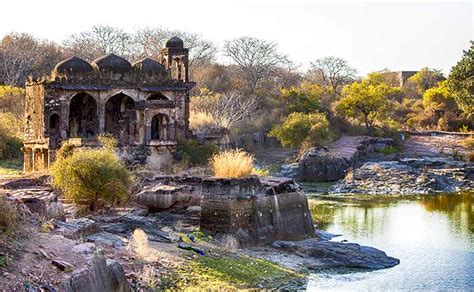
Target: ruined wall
(34, 114)
(255, 212)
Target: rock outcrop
(101, 276)
(333, 162)
(408, 176)
(43, 201)
(323, 253)
(255, 211)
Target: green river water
(432, 235)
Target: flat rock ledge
(407, 177)
(330, 254)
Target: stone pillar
(45, 157)
(26, 160)
(35, 160)
(101, 115)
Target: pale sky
(369, 35)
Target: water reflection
(433, 237)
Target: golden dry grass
(232, 164)
(201, 120)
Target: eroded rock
(255, 212)
(101, 276)
(77, 228)
(322, 253)
(40, 200)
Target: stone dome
(174, 42)
(72, 66)
(112, 63)
(149, 66)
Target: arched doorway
(54, 129)
(157, 96)
(83, 120)
(160, 127)
(121, 118)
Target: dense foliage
(300, 129)
(461, 81)
(92, 177)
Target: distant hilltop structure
(398, 78)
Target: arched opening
(121, 119)
(157, 96)
(83, 120)
(54, 129)
(160, 127)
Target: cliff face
(332, 164)
(255, 211)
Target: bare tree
(150, 41)
(332, 72)
(227, 109)
(101, 40)
(22, 55)
(257, 58)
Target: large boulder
(43, 201)
(102, 275)
(255, 212)
(160, 196)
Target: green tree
(425, 79)
(461, 81)
(305, 98)
(367, 101)
(439, 98)
(301, 129)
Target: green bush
(10, 146)
(301, 129)
(93, 177)
(196, 153)
(387, 150)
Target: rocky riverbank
(160, 244)
(408, 176)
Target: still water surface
(433, 236)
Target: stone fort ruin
(145, 105)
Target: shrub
(387, 150)
(469, 143)
(92, 177)
(301, 128)
(232, 164)
(195, 153)
(8, 215)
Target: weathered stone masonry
(144, 105)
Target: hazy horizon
(370, 36)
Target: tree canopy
(461, 81)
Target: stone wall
(255, 211)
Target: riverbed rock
(254, 211)
(322, 253)
(101, 276)
(408, 176)
(77, 228)
(43, 201)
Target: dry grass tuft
(232, 164)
